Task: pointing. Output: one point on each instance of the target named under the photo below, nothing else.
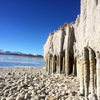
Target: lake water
(22, 62)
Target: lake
(20, 62)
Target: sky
(26, 24)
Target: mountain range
(19, 53)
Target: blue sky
(26, 24)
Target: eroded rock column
(92, 66)
(63, 64)
(53, 64)
(58, 64)
(81, 76)
(59, 68)
(78, 68)
(74, 72)
(67, 64)
(98, 74)
(74, 67)
(86, 74)
(48, 65)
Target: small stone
(38, 91)
(20, 97)
(79, 94)
(63, 93)
(35, 98)
(35, 79)
(92, 97)
(3, 98)
(33, 93)
(51, 98)
(27, 96)
(9, 73)
(42, 95)
(30, 88)
(53, 94)
(10, 98)
(73, 93)
(69, 91)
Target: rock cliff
(74, 49)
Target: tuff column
(86, 74)
(78, 68)
(53, 65)
(59, 68)
(67, 64)
(92, 66)
(48, 65)
(74, 67)
(58, 64)
(81, 76)
(98, 75)
(63, 64)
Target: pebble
(27, 96)
(10, 98)
(92, 97)
(9, 73)
(63, 93)
(3, 98)
(30, 88)
(20, 97)
(36, 97)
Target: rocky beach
(37, 84)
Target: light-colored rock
(64, 49)
(20, 97)
(27, 96)
(10, 98)
(3, 98)
(92, 97)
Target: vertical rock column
(66, 63)
(57, 64)
(48, 65)
(86, 74)
(81, 76)
(63, 64)
(98, 75)
(92, 65)
(78, 68)
(59, 68)
(53, 64)
(74, 67)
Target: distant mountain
(18, 53)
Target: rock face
(74, 49)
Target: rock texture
(36, 84)
(74, 49)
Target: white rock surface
(86, 31)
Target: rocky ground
(37, 84)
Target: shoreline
(22, 56)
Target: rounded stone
(92, 97)
(10, 98)
(20, 97)
(3, 98)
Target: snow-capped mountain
(18, 53)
